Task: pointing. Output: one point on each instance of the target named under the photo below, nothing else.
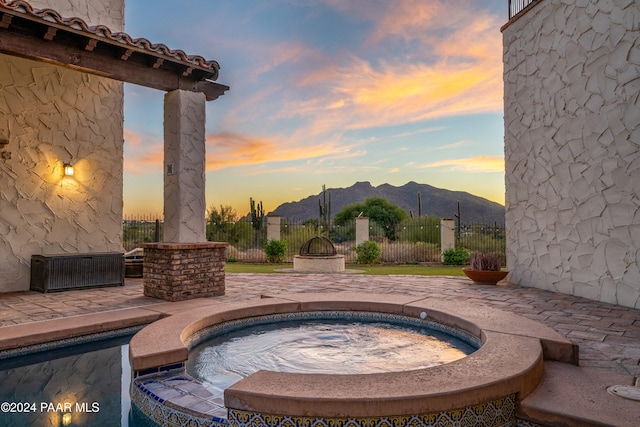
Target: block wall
(572, 148)
(180, 271)
(51, 116)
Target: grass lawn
(415, 270)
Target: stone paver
(608, 335)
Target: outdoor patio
(608, 335)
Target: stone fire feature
(181, 271)
(318, 255)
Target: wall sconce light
(66, 419)
(67, 169)
(5, 155)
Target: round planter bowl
(484, 277)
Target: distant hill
(435, 201)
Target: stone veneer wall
(52, 115)
(572, 148)
(180, 271)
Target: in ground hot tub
(482, 388)
(321, 342)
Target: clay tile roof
(76, 25)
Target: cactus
(257, 214)
(325, 209)
(458, 217)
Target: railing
(415, 240)
(140, 229)
(517, 6)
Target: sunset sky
(328, 92)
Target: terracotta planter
(484, 277)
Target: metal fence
(417, 240)
(141, 229)
(517, 6)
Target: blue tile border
(496, 413)
(69, 342)
(146, 398)
(365, 316)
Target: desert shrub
(295, 235)
(231, 254)
(406, 252)
(276, 250)
(488, 261)
(347, 249)
(423, 229)
(252, 255)
(368, 252)
(457, 256)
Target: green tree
(221, 223)
(377, 209)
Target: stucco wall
(50, 116)
(572, 148)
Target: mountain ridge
(435, 201)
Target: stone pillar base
(181, 271)
(318, 264)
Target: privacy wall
(51, 116)
(572, 148)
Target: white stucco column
(447, 234)
(273, 227)
(362, 230)
(184, 167)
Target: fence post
(362, 229)
(447, 235)
(156, 231)
(273, 227)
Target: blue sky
(328, 92)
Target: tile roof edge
(48, 16)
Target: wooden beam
(106, 62)
(6, 21)
(50, 34)
(91, 44)
(126, 55)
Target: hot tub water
(322, 347)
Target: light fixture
(68, 169)
(5, 155)
(66, 419)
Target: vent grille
(63, 272)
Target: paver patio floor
(608, 335)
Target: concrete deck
(608, 335)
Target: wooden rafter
(31, 36)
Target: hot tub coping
(509, 361)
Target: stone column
(184, 168)
(447, 234)
(362, 230)
(184, 265)
(273, 227)
(181, 271)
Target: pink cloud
(471, 164)
(230, 149)
(455, 69)
(143, 153)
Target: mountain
(435, 201)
